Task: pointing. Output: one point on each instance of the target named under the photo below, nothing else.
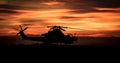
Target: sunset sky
(101, 17)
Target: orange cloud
(53, 3)
(97, 18)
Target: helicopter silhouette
(54, 35)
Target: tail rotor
(21, 30)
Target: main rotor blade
(63, 29)
(76, 28)
(70, 28)
(80, 29)
(20, 27)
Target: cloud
(81, 5)
(86, 14)
(31, 21)
(6, 6)
(9, 11)
(1, 19)
(94, 10)
(96, 3)
(106, 3)
(16, 7)
(74, 18)
(88, 6)
(69, 17)
(29, 0)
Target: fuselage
(52, 36)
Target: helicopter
(54, 35)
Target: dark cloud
(68, 17)
(81, 5)
(88, 6)
(112, 11)
(30, 20)
(6, 6)
(27, 24)
(72, 18)
(95, 3)
(9, 11)
(90, 10)
(16, 7)
(105, 3)
(29, 0)
(2, 19)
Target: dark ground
(83, 42)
